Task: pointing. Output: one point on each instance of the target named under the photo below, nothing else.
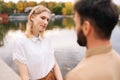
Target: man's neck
(97, 43)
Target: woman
(34, 53)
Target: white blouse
(37, 54)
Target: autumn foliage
(20, 6)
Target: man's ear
(86, 28)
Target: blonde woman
(34, 53)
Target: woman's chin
(42, 30)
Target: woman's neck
(38, 34)
(35, 33)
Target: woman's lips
(43, 26)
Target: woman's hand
(57, 71)
(23, 71)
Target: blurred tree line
(20, 6)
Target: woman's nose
(45, 22)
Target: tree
(32, 3)
(10, 6)
(43, 3)
(50, 5)
(67, 10)
(3, 8)
(57, 9)
(20, 6)
(6, 7)
(25, 4)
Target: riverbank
(23, 17)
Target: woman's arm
(23, 71)
(57, 72)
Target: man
(95, 20)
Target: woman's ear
(32, 17)
(86, 28)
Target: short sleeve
(19, 52)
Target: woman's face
(40, 21)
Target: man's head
(98, 17)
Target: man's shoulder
(116, 55)
(78, 72)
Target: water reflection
(5, 28)
(61, 23)
(58, 23)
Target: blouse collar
(34, 38)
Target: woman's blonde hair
(36, 10)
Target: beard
(81, 39)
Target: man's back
(101, 63)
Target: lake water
(61, 31)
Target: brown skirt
(50, 76)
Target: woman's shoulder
(21, 39)
(48, 39)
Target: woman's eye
(48, 20)
(43, 18)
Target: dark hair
(102, 14)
